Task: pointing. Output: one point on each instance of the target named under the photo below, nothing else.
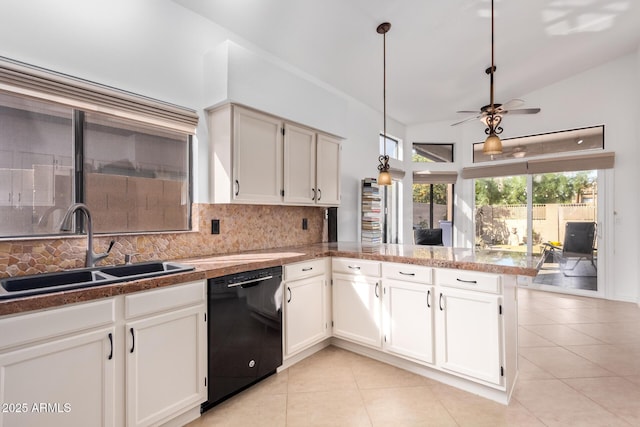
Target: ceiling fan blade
(468, 119)
(514, 103)
(523, 111)
(468, 111)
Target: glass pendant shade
(492, 145)
(384, 178)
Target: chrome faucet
(92, 257)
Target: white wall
(161, 50)
(604, 95)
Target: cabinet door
(165, 367)
(6, 187)
(257, 157)
(67, 382)
(408, 319)
(356, 309)
(305, 322)
(328, 170)
(299, 165)
(469, 333)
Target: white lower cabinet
(57, 367)
(408, 311)
(306, 299)
(89, 364)
(165, 372)
(408, 319)
(469, 325)
(357, 303)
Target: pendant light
(492, 145)
(384, 177)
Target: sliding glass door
(552, 216)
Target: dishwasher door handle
(233, 285)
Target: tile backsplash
(242, 227)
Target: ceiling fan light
(492, 145)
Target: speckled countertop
(491, 261)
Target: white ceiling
(437, 50)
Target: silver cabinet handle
(354, 267)
(376, 290)
(407, 274)
(473, 282)
(289, 289)
(440, 302)
(319, 194)
(133, 341)
(307, 269)
(314, 194)
(237, 187)
(428, 298)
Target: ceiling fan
(491, 114)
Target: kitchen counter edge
(224, 264)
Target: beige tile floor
(579, 366)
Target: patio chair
(428, 236)
(579, 243)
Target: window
(392, 146)
(433, 202)
(136, 177)
(568, 141)
(424, 152)
(36, 172)
(133, 175)
(65, 140)
(529, 213)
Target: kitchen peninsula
(445, 313)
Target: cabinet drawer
(27, 328)
(407, 272)
(300, 270)
(484, 282)
(356, 266)
(163, 299)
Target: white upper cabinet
(257, 160)
(261, 159)
(328, 170)
(299, 165)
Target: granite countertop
(491, 261)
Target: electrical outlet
(215, 226)
(305, 224)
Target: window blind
(509, 169)
(603, 160)
(572, 163)
(28, 80)
(430, 177)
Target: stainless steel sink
(14, 287)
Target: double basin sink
(14, 287)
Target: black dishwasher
(244, 331)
